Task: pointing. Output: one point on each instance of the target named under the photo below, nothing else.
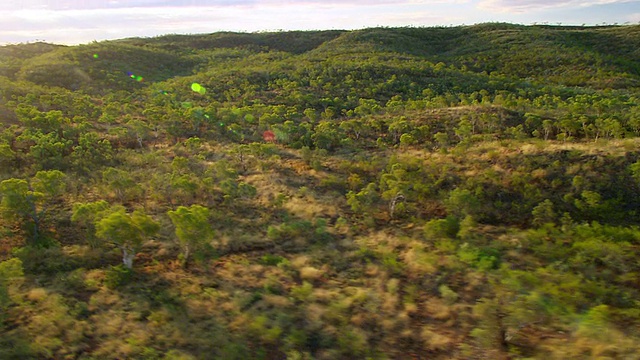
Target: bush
(449, 296)
(118, 276)
(442, 228)
(45, 260)
(271, 260)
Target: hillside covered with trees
(466, 192)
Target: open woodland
(462, 192)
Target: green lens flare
(134, 76)
(198, 88)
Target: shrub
(449, 296)
(433, 340)
(118, 276)
(271, 260)
(543, 213)
(302, 292)
(442, 228)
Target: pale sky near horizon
(81, 21)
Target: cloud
(75, 26)
(123, 22)
(9, 5)
(73, 21)
(80, 21)
(522, 6)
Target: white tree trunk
(127, 258)
(187, 252)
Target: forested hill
(465, 192)
(600, 57)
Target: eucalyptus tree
(127, 231)
(27, 202)
(192, 228)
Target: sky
(72, 22)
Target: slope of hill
(466, 192)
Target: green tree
(462, 202)
(233, 189)
(353, 128)
(396, 187)
(241, 154)
(442, 139)
(48, 150)
(183, 187)
(326, 135)
(51, 121)
(141, 129)
(27, 202)
(464, 130)
(547, 128)
(127, 231)
(442, 228)
(86, 215)
(91, 152)
(407, 140)
(364, 201)
(397, 128)
(192, 228)
(543, 213)
(367, 107)
(7, 156)
(120, 182)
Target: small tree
(7, 156)
(543, 213)
(87, 215)
(121, 183)
(126, 231)
(363, 202)
(407, 140)
(462, 202)
(91, 152)
(464, 130)
(26, 202)
(442, 139)
(192, 228)
(48, 150)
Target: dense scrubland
(392, 193)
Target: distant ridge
(597, 57)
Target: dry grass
(308, 206)
(437, 309)
(383, 241)
(37, 294)
(277, 301)
(310, 273)
(300, 261)
(103, 298)
(435, 340)
(419, 260)
(325, 296)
